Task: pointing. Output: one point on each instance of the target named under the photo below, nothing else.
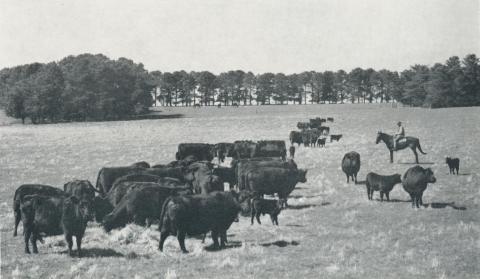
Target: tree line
(94, 87)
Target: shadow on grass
(361, 182)
(303, 196)
(438, 205)
(157, 116)
(280, 243)
(228, 245)
(413, 163)
(96, 253)
(303, 206)
(294, 225)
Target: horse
(411, 142)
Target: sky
(252, 35)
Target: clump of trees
(78, 88)
(455, 83)
(94, 87)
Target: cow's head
(397, 178)
(379, 137)
(302, 175)
(101, 207)
(430, 177)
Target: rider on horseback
(399, 135)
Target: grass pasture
(330, 230)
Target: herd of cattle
(187, 196)
(312, 133)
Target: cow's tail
(420, 148)
(162, 214)
(98, 188)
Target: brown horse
(411, 142)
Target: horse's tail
(420, 148)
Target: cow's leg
(348, 179)
(253, 216)
(181, 240)
(27, 232)
(163, 236)
(355, 175)
(33, 239)
(223, 239)
(412, 197)
(420, 198)
(78, 238)
(18, 217)
(381, 195)
(391, 156)
(388, 195)
(257, 216)
(215, 239)
(368, 191)
(68, 238)
(203, 237)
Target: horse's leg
(416, 155)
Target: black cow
(330, 119)
(324, 130)
(453, 164)
(141, 164)
(291, 150)
(321, 142)
(141, 204)
(31, 189)
(335, 137)
(244, 149)
(181, 163)
(202, 151)
(271, 148)
(243, 166)
(226, 174)
(263, 206)
(382, 183)
(274, 180)
(415, 181)
(296, 137)
(223, 149)
(54, 216)
(83, 190)
(303, 125)
(351, 165)
(108, 175)
(201, 177)
(198, 214)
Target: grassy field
(331, 230)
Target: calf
(321, 142)
(54, 216)
(415, 182)
(351, 165)
(382, 183)
(453, 164)
(32, 189)
(263, 206)
(335, 137)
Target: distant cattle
(382, 183)
(291, 151)
(196, 106)
(330, 119)
(271, 148)
(262, 206)
(141, 204)
(415, 182)
(202, 151)
(303, 125)
(295, 137)
(335, 137)
(274, 180)
(321, 142)
(453, 164)
(324, 130)
(32, 189)
(198, 214)
(315, 123)
(54, 216)
(351, 165)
